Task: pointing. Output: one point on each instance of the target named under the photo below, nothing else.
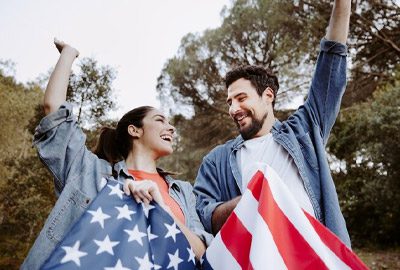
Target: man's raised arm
(338, 28)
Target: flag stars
(124, 212)
(172, 231)
(174, 260)
(155, 266)
(135, 235)
(147, 208)
(116, 190)
(73, 254)
(118, 266)
(150, 235)
(191, 255)
(106, 245)
(98, 216)
(144, 263)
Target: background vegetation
(284, 35)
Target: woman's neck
(141, 162)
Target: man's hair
(260, 78)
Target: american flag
(115, 232)
(269, 230)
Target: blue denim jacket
(304, 135)
(78, 176)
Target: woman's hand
(144, 191)
(62, 46)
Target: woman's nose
(171, 128)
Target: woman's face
(157, 133)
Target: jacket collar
(121, 169)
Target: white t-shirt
(264, 149)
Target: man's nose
(233, 108)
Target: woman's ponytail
(107, 146)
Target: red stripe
(336, 245)
(237, 240)
(294, 249)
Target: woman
(127, 154)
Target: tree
(26, 187)
(284, 36)
(373, 42)
(366, 140)
(267, 33)
(90, 91)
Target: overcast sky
(136, 37)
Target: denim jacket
(78, 177)
(304, 135)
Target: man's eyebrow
(236, 96)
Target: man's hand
(221, 214)
(338, 28)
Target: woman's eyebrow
(159, 115)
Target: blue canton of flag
(118, 233)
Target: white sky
(135, 37)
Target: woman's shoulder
(182, 184)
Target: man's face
(247, 109)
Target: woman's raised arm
(56, 90)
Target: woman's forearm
(56, 91)
(195, 242)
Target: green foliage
(26, 195)
(26, 187)
(374, 43)
(90, 91)
(268, 33)
(366, 138)
(284, 36)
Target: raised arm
(338, 28)
(56, 91)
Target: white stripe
(294, 213)
(219, 256)
(264, 253)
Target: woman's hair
(114, 144)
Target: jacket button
(87, 201)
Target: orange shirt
(163, 187)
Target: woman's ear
(134, 131)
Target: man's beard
(254, 127)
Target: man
(294, 148)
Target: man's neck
(267, 126)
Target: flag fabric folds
(269, 230)
(118, 233)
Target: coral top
(163, 187)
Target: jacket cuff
(206, 215)
(64, 113)
(204, 236)
(335, 47)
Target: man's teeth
(240, 118)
